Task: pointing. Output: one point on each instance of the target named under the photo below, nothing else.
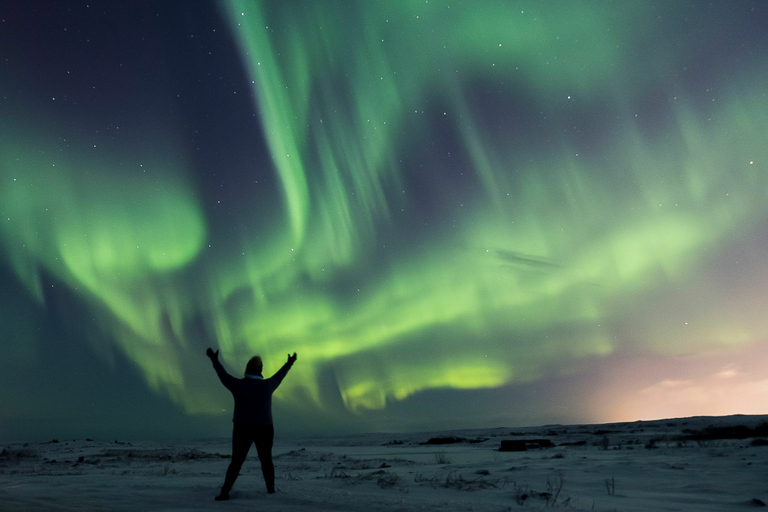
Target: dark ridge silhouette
(454, 440)
(713, 433)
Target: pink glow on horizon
(657, 387)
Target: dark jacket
(253, 397)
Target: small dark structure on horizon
(521, 445)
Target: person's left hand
(211, 354)
(292, 358)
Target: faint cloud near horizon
(728, 391)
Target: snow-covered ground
(640, 466)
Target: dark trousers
(242, 437)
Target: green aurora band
(534, 266)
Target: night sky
(458, 213)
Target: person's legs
(264, 436)
(241, 443)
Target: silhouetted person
(252, 418)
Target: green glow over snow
(556, 245)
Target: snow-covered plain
(678, 464)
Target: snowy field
(692, 464)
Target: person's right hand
(292, 358)
(211, 354)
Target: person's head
(254, 366)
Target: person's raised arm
(224, 377)
(278, 377)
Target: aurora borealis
(457, 213)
